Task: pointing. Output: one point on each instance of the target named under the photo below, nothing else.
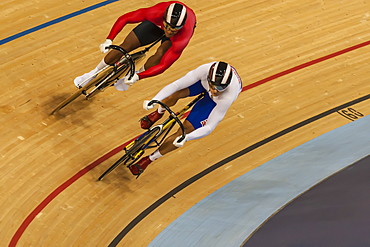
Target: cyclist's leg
(196, 119)
(131, 42)
(157, 56)
(143, 34)
(147, 121)
(172, 99)
(166, 147)
(193, 90)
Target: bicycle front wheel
(114, 166)
(134, 150)
(141, 144)
(124, 67)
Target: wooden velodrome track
(297, 59)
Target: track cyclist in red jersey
(173, 21)
(221, 84)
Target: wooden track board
(40, 154)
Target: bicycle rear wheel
(134, 151)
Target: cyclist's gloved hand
(178, 144)
(134, 79)
(146, 105)
(104, 48)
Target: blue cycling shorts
(201, 110)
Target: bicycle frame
(149, 139)
(165, 127)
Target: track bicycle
(152, 138)
(107, 76)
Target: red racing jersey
(155, 14)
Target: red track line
(304, 65)
(82, 172)
(60, 189)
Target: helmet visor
(170, 27)
(213, 85)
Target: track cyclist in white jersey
(221, 84)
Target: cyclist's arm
(136, 16)
(167, 60)
(189, 79)
(174, 52)
(216, 115)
